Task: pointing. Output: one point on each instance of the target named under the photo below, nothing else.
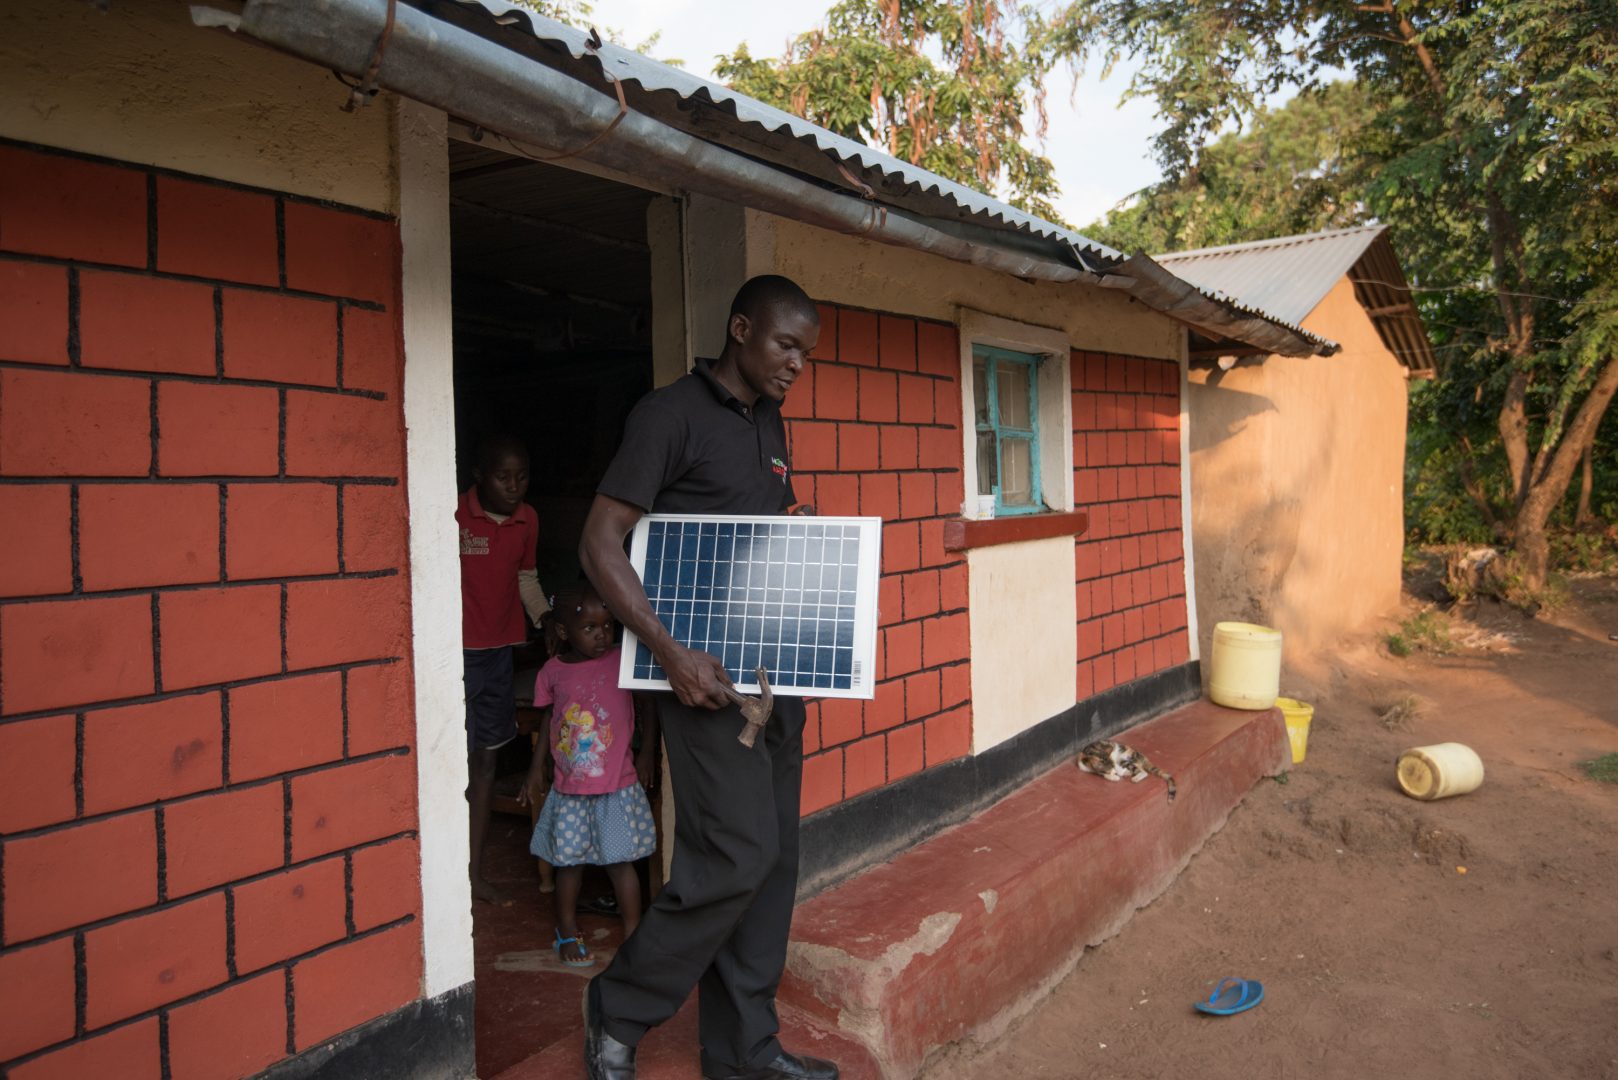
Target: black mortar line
(162, 858)
(342, 309)
(74, 346)
(78, 765)
(219, 332)
(283, 628)
(342, 561)
(281, 276)
(73, 542)
(165, 1069)
(224, 500)
(286, 821)
(292, 1016)
(230, 933)
(152, 470)
(157, 646)
(224, 738)
(348, 892)
(81, 982)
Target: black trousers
(722, 919)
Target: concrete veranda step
(960, 934)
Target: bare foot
(485, 893)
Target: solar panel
(794, 595)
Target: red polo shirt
(492, 552)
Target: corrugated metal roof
(511, 72)
(1285, 277)
(718, 114)
(687, 101)
(1289, 276)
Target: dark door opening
(552, 280)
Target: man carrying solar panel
(712, 442)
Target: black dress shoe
(785, 1067)
(605, 1058)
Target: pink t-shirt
(592, 724)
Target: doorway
(554, 342)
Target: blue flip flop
(1232, 996)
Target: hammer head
(758, 709)
(755, 710)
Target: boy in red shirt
(499, 580)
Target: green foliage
(1293, 170)
(1425, 632)
(1485, 132)
(1603, 769)
(1585, 552)
(940, 83)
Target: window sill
(961, 534)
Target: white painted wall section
(435, 571)
(1024, 646)
(1186, 530)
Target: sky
(1101, 150)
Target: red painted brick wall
(1130, 564)
(874, 424)
(207, 793)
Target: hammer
(756, 710)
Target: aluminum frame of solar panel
(779, 587)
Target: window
(1005, 396)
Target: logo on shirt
(779, 468)
(473, 545)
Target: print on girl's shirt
(592, 724)
(582, 744)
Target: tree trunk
(1513, 426)
(1518, 315)
(1547, 492)
(1584, 518)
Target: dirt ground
(1471, 937)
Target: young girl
(595, 813)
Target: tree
(1492, 148)
(943, 84)
(1293, 170)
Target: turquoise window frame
(994, 357)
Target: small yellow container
(1246, 669)
(1297, 714)
(1439, 771)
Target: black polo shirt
(692, 448)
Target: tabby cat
(1114, 761)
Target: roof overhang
(538, 81)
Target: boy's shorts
(491, 709)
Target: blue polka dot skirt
(595, 830)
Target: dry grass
(1399, 715)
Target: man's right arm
(697, 678)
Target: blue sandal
(1232, 996)
(583, 961)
